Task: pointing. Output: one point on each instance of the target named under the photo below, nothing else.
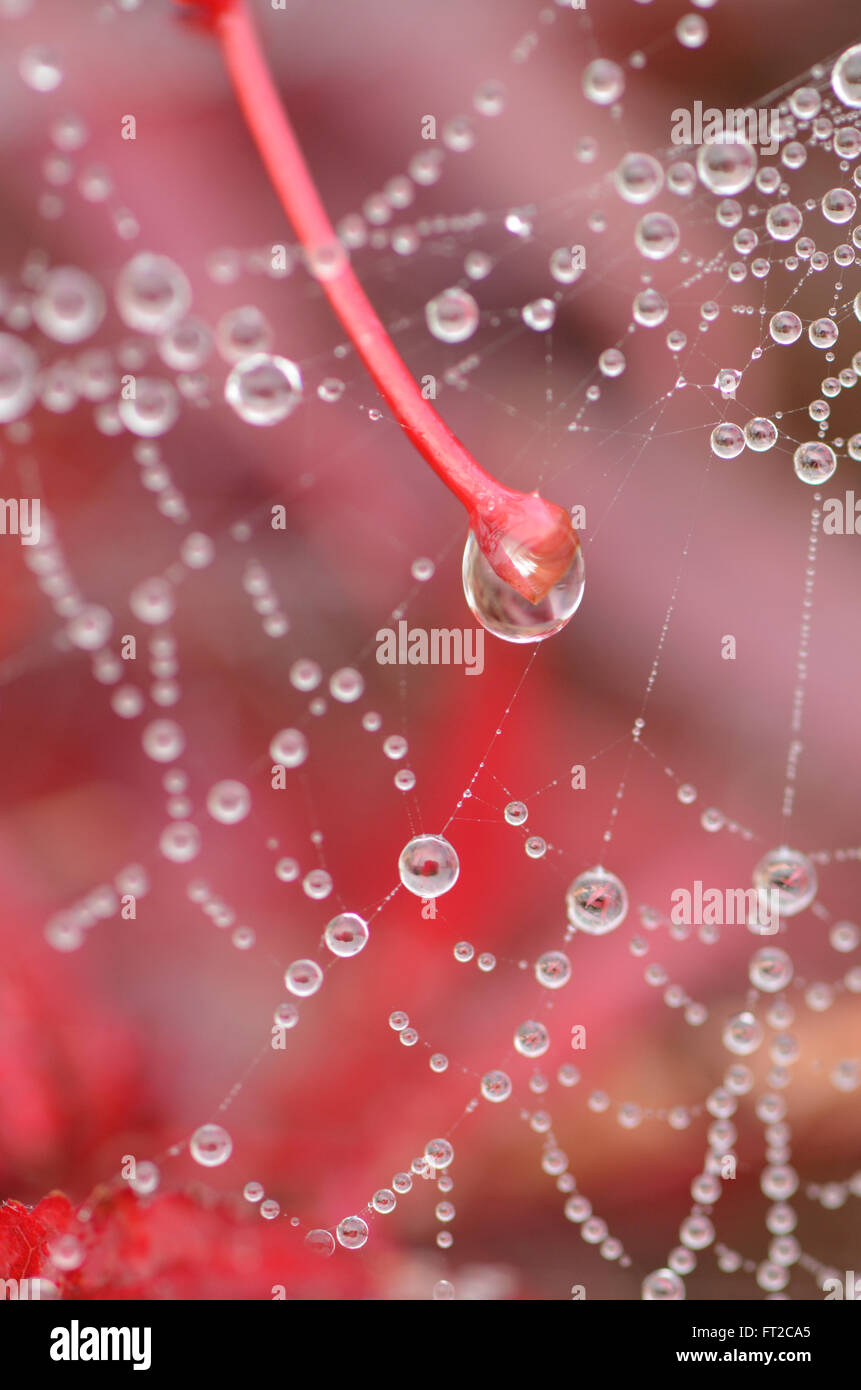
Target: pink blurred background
(130, 1043)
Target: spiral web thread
(585, 407)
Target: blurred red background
(129, 1044)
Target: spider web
(693, 766)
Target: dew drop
(384, 1201)
(792, 875)
(505, 612)
(692, 31)
(91, 628)
(40, 69)
(539, 315)
(844, 936)
(428, 866)
(846, 77)
(785, 327)
(663, 1286)
(69, 306)
(186, 346)
(760, 434)
(727, 441)
(303, 977)
(726, 167)
(603, 82)
(317, 884)
(242, 332)
(151, 293)
(439, 1152)
(146, 1178)
(346, 934)
(210, 1146)
(770, 969)
(422, 570)
(163, 740)
(823, 333)
(783, 221)
(611, 362)
(742, 1034)
(197, 550)
(264, 390)
(814, 462)
(228, 802)
(838, 205)
(553, 969)
(597, 902)
(496, 1086)
(289, 747)
(18, 372)
(352, 1232)
(638, 178)
(531, 1039)
(656, 236)
(152, 411)
(650, 308)
(452, 316)
(180, 842)
(346, 685)
(320, 1242)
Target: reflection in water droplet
(263, 390)
(428, 866)
(505, 612)
(211, 1146)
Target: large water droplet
(597, 902)
(726, 167)
(211, 1146)
(428, 866)
(814, 462)
(151, 293)
(452, 316)
(505, 612)
(70, 305)
(846, 77)
(603, 82)
(264, 390)
(791, 875)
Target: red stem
(528, 542)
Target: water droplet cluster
(715, 272)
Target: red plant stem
(528, 542)
(285, 163)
